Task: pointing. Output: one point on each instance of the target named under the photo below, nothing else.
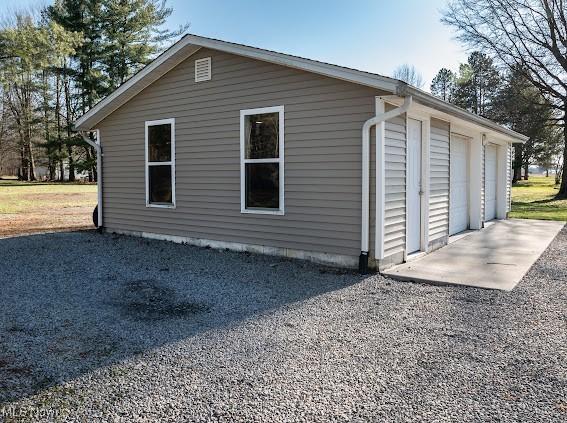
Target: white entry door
(413, 186)
(459, 177)
(490, 172)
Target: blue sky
(371, 35)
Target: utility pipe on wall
(380, 118)
(97, 146)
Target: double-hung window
(262, 160)
(160, 163)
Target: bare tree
(409, 74)
(530, 35)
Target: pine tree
(28, 50)
(443, 85)
(133, 36)
(120, 37)
(485, 82)
(477, 84)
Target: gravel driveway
(111, 328)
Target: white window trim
(149, 123)
(280, 160)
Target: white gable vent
(203, 69)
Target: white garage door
(459, 201)
(490, 167)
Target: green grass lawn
(535, 199)
(25, 197)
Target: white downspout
(97, 146)
(379, 118)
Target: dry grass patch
(31, 207)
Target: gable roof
(190, 44)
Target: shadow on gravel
(74, 302)
(147, 300)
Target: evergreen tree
(462, 95)
(133, 36)
(28, 50)
(477, 84)
(85, 17)
(512, 101)
(120, 37)
(443, 85)
(82, 72)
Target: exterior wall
(323, 121)
(439, 183)
(395, 194)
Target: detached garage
(229, 146)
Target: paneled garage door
(491, 167)
(459, 200)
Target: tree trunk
(92, 173)
(30, 153)
(563, 188)
(517, 163)
(68, 119)
(61, 164)
(88, 159)
(517, 174)
(49, 146)
(71, 163)
(24, 160)
(28, 132)
(526, 169)
(58, 119)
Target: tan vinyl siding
(439, 180)
(395, 195)
(323, 121)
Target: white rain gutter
(97, 146)
(380, 118)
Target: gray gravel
(111, 328)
